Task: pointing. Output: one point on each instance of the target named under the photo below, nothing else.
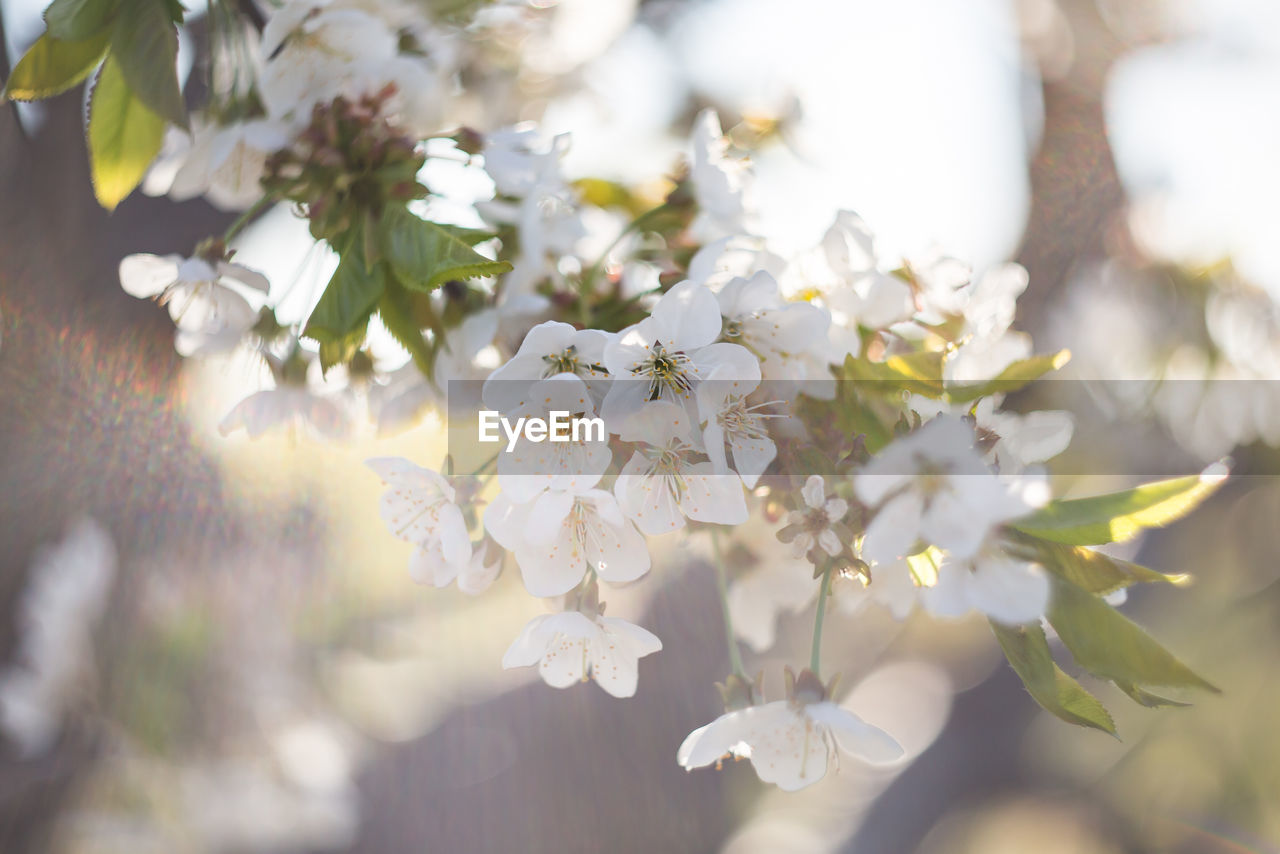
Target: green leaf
(1011, 378)
(348, 299)
(924, 566)
(72, 20)
(1110, 646)
(144, 41)
(1119, 516)
(340, 351)
(920, 373)
(1085, 568)
(1028, 653)
(51, 66)
(425, 255)
(124, 136)
(396, 313)
(1146, 698)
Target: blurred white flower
(198, 293)
(289, 405)
(225, 163)
(571, 647)
(64, 599)
(932, 485)
(757, 597)
(862, 294)
(814, 524)
(721, 184)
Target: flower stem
(815, 658)
(245, 218)
(637, 224)
(722, 586)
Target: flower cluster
(838, 412)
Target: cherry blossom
(663, 483)
(790, 742)
(932, 485)
(201, 294)
(556, 536)
(666, 355)
(419, 507)
(571, 647)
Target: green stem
(245, 218)
(589, 277)
(722, 587)
(815, 658)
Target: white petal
(146, 276)
(814, 491)
(894, 529)
(1009, 591)
(711, 497)
(854, 735)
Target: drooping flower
(571, 647)
(664, 483)
(666, 355)
(790, 742)
(291, 404)
(932, 485)
(817, 524)
(559, 534)
(419, 506)
(200, 292)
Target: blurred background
(254, 671)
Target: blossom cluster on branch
(846, 403)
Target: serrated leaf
(1119, 516)
(1111, 646)
(72, 20)
(340, 351)
(425, 255)
(919, 373)
(1011, 378)
(1057, 693)
(348, 299)
(144, 41)
(1086, 568)
(51, 66)
(397, 316)
(124, 136)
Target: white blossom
(556, 536)
(201, 295)
(932, 485)
(572, 647)
(225, 163)
(663, 483)
(419, 507)
(789, 339)
(728, 419)
(666, 355)
(549, 349)
(814, 523)
(790, 743)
